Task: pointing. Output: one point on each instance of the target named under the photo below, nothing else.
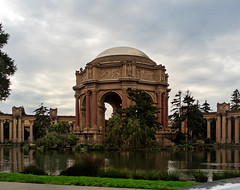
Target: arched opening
(110, 102)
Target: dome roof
(122, 51)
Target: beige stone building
(226, 124)
(20, 125)
(106, 79)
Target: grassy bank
(94, 181)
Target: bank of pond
(148, 164)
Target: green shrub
(54, 140)
(173, 176)
(33, 169)
(113, 173)
(86, 166)
(226, 175)
(139, 174)
(200, 176)
(200, 143)
(97, 147)
(163, 175)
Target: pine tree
(235, 101)
(41, 122)
(176, 110)
(7, 67)
(205, 107)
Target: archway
(106, 79)
(114, 100)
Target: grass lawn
(94, 181)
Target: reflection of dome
(122, 51)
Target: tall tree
(41, 122)
(235, 100)
(185, 108)
(205, 107)
(145, 111)
(176, 110)
(134, 126)
(193, 116)
(7, 67)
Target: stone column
(87, 110)
(19, 129)
(159, 101)
(124, 98)
(94, 108)
(10, 130)
(236, 129)
(77, 112)
(208, 128)
(31, 132)
(218, 129)
(23, 127)
(229, 134)
(1, 132)
(14, 130)
(223, 128)
(166, 111)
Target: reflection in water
(14, 159)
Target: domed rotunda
(106, 79)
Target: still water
(14, 159)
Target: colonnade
(92, 105)
(224, 128)
(16, 130)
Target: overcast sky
(197, 40)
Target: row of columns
(224, 129)
(16, 131)
(162, 102)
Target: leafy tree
(7, 67)
(41, 122)
(235, 100)
(133, 126)
(114, 133)
(61, 128)
(205, 107)
(145, 111)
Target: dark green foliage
(54, 140)
(41, 122)
(235, 100)
(206, 107)
(33, 169)
(7, 67)
(200, 176)
(185, 109)
(85, 166)
(113, 173)
(61, 128)
(225, 175)
(114, 136)
(145, 111)
(134, 126)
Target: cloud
(197, 41)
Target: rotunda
(106, 79)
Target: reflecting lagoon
(14, 159)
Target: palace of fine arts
(107, 79)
